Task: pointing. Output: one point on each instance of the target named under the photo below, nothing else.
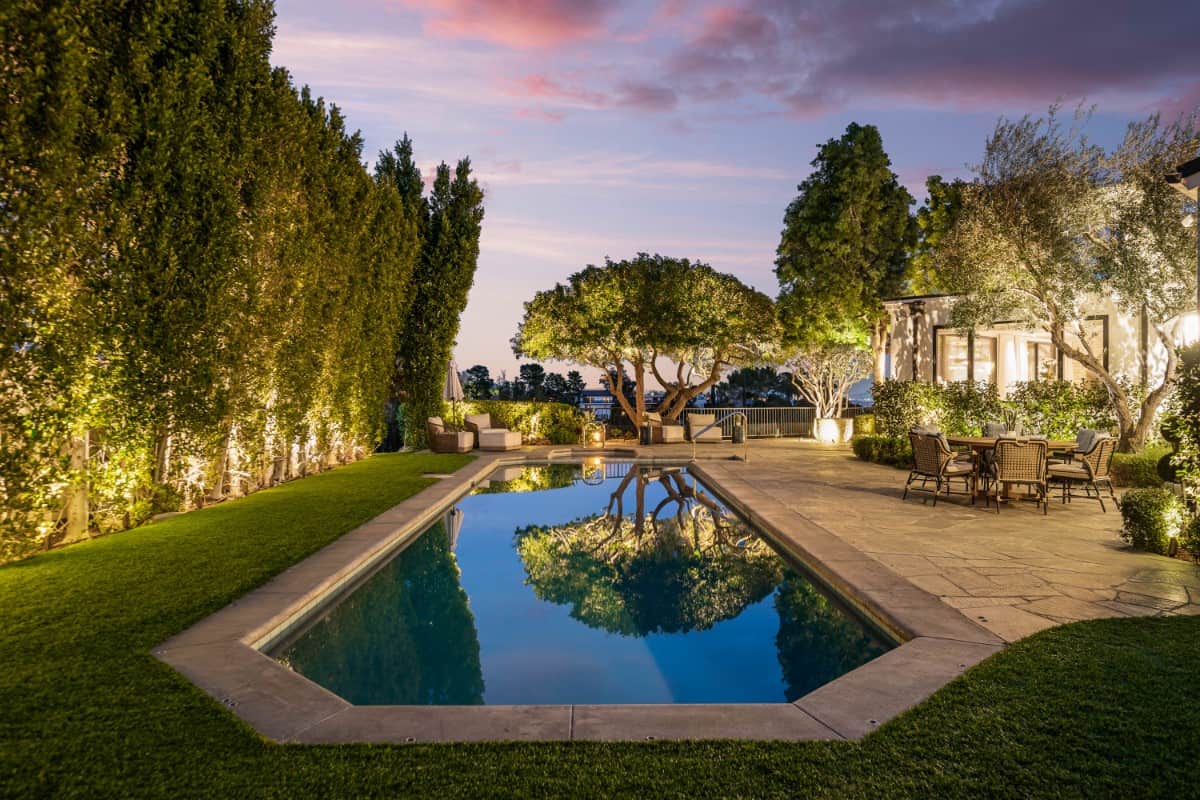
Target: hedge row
(1054, 408)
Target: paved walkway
(1014, 573)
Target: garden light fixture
(594, 434)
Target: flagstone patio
(1014, 573)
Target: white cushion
(481, 421)
(672, 433)
(499, 439)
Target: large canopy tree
(845, 245)
(1052, 222)
(633, 314)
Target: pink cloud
(543, 86)
(1180, 103)
(515, 23)
(539, 114)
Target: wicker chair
(1020, 462)
(444, 441)
(1090, 469)
(933, 460)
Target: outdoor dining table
(979, 444)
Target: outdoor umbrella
(452, 392)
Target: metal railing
(771, 421)
(732, 419)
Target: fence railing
(769, 421)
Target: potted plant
(823, 374)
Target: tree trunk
(220, 464)
(162, 455)
(680, 394)
(1132, 433)
(639, 399)
(77, 505)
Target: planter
(833, 431)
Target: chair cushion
(437, 422)
(959, 468)
(654, 418)
(1084, 440)
(480, 421)
(1067, 471)
(672, 433)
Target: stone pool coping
(221, 653)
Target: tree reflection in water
(683, 565)
(817, 640)
(404, 637)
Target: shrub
(966, 406)
(1150, 516)
(1185, 421)
(864, 424)
(899, 405)
(1058, 409)
(1138, 469)
(893, 452)
(956, 408)
(1190, 539)
(556, 423)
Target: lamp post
(1186, 180)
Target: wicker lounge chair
(663, 432)
(933, 460)
(1091, 469)
(444, 441)
(1019, 462)
(491, 438)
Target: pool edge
(221, 654)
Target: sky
(600, 128)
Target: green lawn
(1095, 709)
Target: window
(1042, 361)
(965, 357)
(983, 368)
(953, 357)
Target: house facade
(922, 343)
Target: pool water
(578, 584)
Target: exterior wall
(920, 320)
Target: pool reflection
(635, 585)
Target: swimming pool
(590, 583)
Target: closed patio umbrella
(452, 392)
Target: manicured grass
(1095, 709)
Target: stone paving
(1014, 573)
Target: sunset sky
(607, 128)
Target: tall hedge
(203, 288)
(449, 251)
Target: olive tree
(1051, 223)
